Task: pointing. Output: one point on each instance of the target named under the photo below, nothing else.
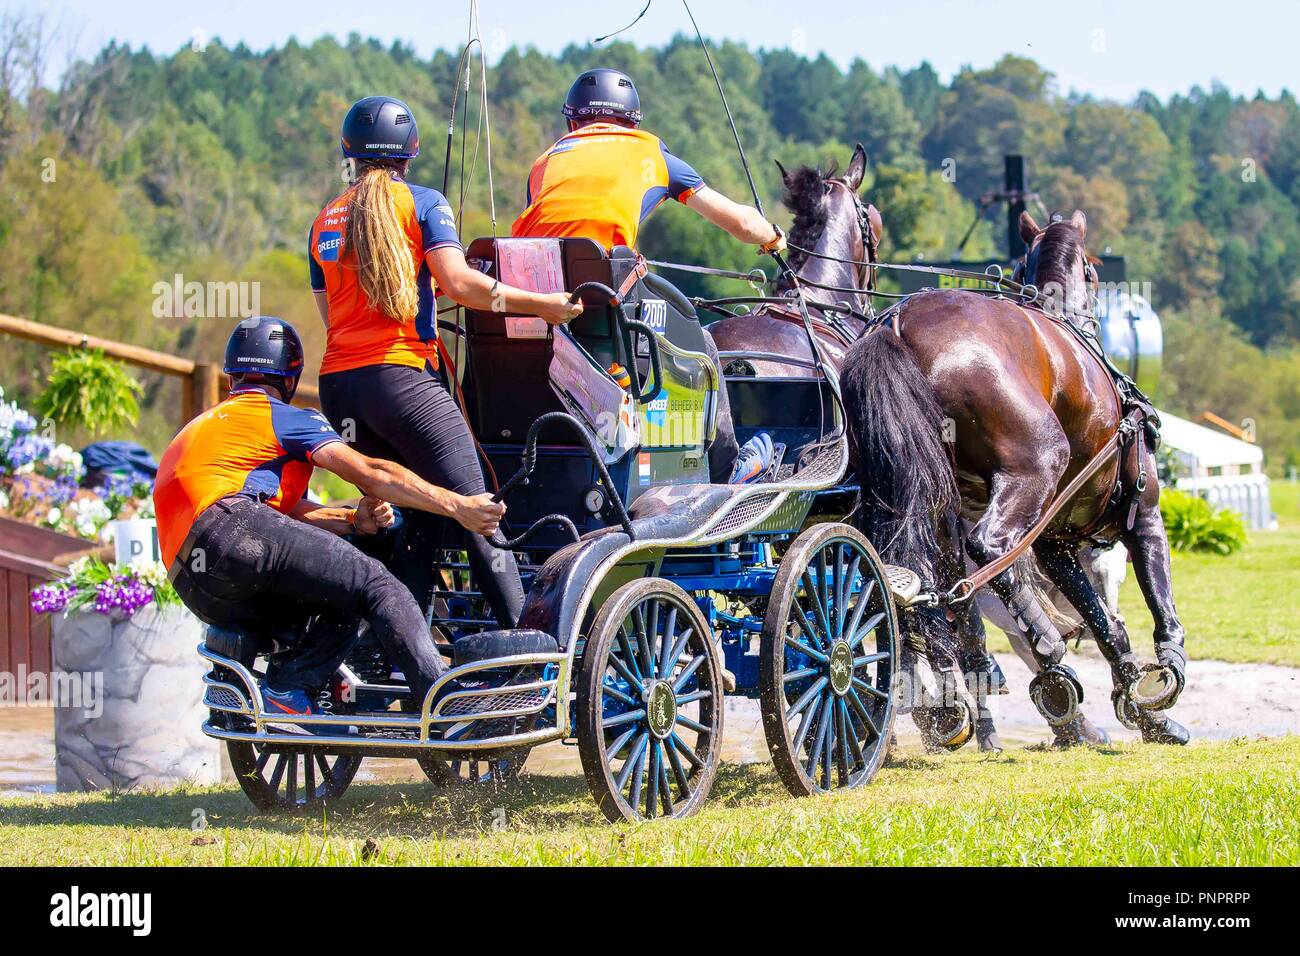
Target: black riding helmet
(380, 127)
(603, 92)
(266, 346)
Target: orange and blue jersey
(601, 181)
(360, 335)
(252, 445)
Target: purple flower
(124, 593)
(50, 598)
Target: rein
(1129, 427)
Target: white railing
(1245, 494)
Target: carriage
(651, 593)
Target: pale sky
(1108, 48)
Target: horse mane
(1057, 252)
(805, 196)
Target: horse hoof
(1157, 687)
(945, 728)
(987, 736)
(1126, 712)
(1057, 694)
(1163, 730)
(1079, 731)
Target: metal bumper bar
(446, 714)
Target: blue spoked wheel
(828, 662)
(650, 704)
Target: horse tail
(904, 471)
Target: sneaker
(277, 703)
(754, 460)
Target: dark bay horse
(834, 222)
(986, 408)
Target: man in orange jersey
(246, 549)
(601, 181)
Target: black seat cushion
(491, 644)
(677, 511)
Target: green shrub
(1194, 525)
(90, 390)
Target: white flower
(145, 508)
(90, 514)
(54, 518)
(4, 500)
(65, 460)
(149, 571)
(78, 566)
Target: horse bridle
(864, 230)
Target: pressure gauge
(593, 499)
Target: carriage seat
(488, 645)
(676, 511)
(514, 349)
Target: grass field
(1229, 803)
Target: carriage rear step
(904, 585)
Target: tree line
(210, 163)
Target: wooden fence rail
(201, 382)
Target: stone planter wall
(137, 721)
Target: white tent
(1226, 471)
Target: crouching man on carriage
(603, 178)
(246, 549)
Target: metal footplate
(904, 585)
(461, 712)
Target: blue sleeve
(300, 431)
(437, 221)
(682, 179)
(313, 267)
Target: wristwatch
(775, 240)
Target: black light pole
(1014, 187)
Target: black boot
(1159, 729)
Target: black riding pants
(252, 567)
(405, 414)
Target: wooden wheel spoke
(863, 712)
(665, 786)
(819, 609)
(806, 698)
(277, 774)
(652, 793)
(618, 695)
(680, 745)
(628, 673)
(860, 606)
(872, 623)
(694, 725)
(666, 641)
(866, 659)
(686, 673)
(626, 718)
(866, 688)
(612, 751)
(846, 592)
(633, 762)
(805, 649)
(683, 781)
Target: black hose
(529, 459)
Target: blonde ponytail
(385, 266)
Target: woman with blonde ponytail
(379, 255)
